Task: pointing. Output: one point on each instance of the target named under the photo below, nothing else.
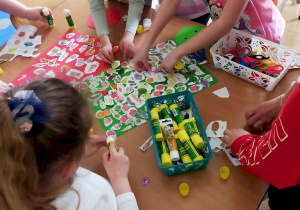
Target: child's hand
(3, 87)
(94, 144)
(261, 117)
(231, 135)
(116, 164)
(169, 62)
(106, 52)
(126, 45)
(36, 13)
(140, 60)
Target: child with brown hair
(44, 133)
(273, 156)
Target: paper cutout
(222, 93)
(22, 35)
(147, 24)
(113, 16)
(231, 157)
(187, 33)
(125, 18)
(215, 144)
(217, 133)
(148, 143)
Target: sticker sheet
(71, 58)
(118, 95)
(22, 42)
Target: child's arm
(134, 16)
(219, 28)
(163, 15)
(274, 156)
(3, 87)
(17, 9)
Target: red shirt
(275, 156)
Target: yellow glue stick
(139, 29)
(196, 138)
(69, 19)
(167, 128)
(166, 113)
(188, 146)
(184, 156)
(155, 124)
(109, 140)
(48, 17)
(164, 154)
(177, 115)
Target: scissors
(273, 71)
(241, 61)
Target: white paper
(215, 144)
(222, 93)
(234, 160)
(217, 133)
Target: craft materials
(195, 137)
(164, 154)
(147, 24)
(215, 144)
(167, 129)
(69, 19)
(188, 146)
(156, 125)
(139, 29)
(21, 44)
(177, 115)
(166, 113)
(48, 17)
(1, 71)
(224, 172)
(145, 181)
(222, 93)
(218, 133)
(184, 189)
(148, 143)
(125, 18)
(3, 61)
(178, 65)
(91, 131)
(183, 155)
(109, 140)
(231, 157)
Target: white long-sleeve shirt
(95, 193)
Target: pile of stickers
(71, 58)
(119, 94)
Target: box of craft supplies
(178, 134)
(277, 58)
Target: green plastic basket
(185, 101)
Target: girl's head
(36, 164)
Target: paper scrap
(231, 157)
(148, 143)
(147, 24)
(222, 93)
(125, 18)
(215, 144)
(219, 132)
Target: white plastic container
(238, 39)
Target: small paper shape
(75, 73)
(231, 157)
(83, 48)
(215, 144)
(148, 143)
(70, 35)
(125, 18)
(217, 133)
(107, 121)
(71, 58)
(91, 67)
(147, 24)
(222, 93)
(49, 74)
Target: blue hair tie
(27, 109)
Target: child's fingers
(249, 113)
(111, 56)
(104, 57)
(112, 148)
(259, 125)
(159, 69)
(121, 151)
(252, 120)
(105, 157)
(227, 132)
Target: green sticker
(187, 33)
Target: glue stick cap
(174, 155)
(198, 141)
(184, 189)
(46, 11)
(166, 160)
(159, 137)
(173, 106)
(224, 172)
(66, 12)
(162, 106)
(154, 114)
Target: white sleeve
(127, 201)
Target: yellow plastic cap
(139, 29)
(173, 106)
(1, 71)
(184, 189)
(224, 172)
(198, 141)
(162, 106)
(154, 114)
(155, 109)
(166, 160)
(175, 127)
(159, 137)
(178, 65)
(91, 131)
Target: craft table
(207, 190)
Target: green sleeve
(98, 11)
(134, 15)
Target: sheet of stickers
(119, 94)
(71, 58)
